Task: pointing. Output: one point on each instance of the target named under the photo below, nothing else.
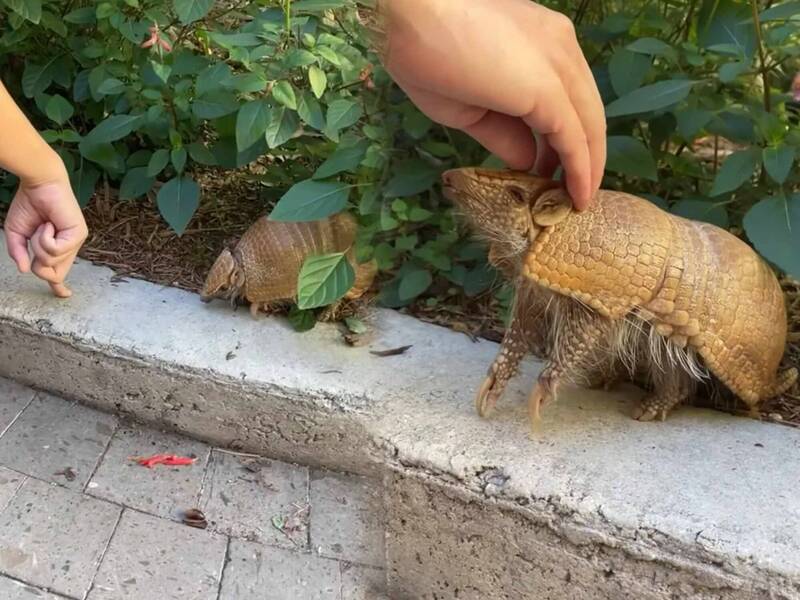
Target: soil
(132, 238)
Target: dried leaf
(392, 352)
(194, 517)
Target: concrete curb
(598, 506)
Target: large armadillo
(263, 266)
(624, 288)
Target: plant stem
(287, 8)
(762, 57)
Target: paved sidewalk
(80, 520)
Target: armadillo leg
(577, 358)
(505, 366)
(671, 387)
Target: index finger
(557, 120)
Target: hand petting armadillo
(623, 288)
(262, 268)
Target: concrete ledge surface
(705, 497)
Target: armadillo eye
(517, 193)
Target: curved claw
(486, 399)
(642, 412)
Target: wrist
(47, 167)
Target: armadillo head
(225, 279)
(503, 207)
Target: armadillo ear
(551, 208)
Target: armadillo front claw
(542, 393)
(487, 396)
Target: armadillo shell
(697, 283)
(273, 252)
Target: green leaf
(629, 156)
(158, 162)
(650, 98)
(113, 128)
(735, 171)
(773, 225)
(178, 158)
(310, 111)
(317, 5)
(105, 10)
(691, 121)
(342, 113)
(231, 41)
(189, 11)
(730, 71)
(781, 12)
(111, 87)
(37, 78)
(652, 46)
(30, 10)
(251, 123)
(318, 80)
(330, 55)
(301, 320)
(727, 24)
(161, 70)
(299, 58)
(702, 210)
(54, 23)
(71, 136)
(214, 78)
(84, 181)
(344, 159)
(323, 280)
(215, 105)
(283, 92)
(248, 82)
(411, 177)
(628, 70)
(178, 200)
(136, 183)
(282, 126)
(778, 161)
(355, 325)
(310, 200)
(81, 16)
(414, 283)
(59, 109)
(201, 154)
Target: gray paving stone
(363, 583)
(256, 572)
(54, 538)
(161, 490)
(152, 558)
(9, 484)
(347, 518)
(52, 435)
(13, 399)
(263, 501)
(14, 590)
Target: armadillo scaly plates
(263, 266)
(623, 289)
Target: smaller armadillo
(263, 266)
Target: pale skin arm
(44, 212)
(500, 70)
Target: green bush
(225, 83)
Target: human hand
(46, 214)
(498, 70)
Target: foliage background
(696, 93)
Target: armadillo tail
(785, 380)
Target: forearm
(23, 151)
